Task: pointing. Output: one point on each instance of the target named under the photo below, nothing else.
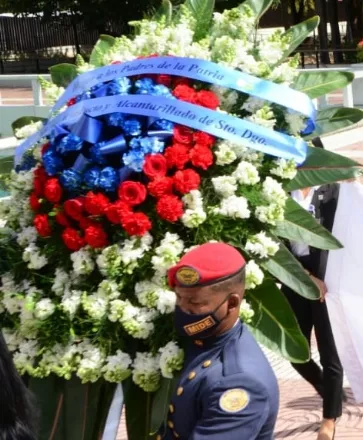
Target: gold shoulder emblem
(187, 276)
(234, 400)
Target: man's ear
(234, 301)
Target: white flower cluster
(246, 173)
(27, 130)
(33, 256)
(246, 312)
(117, 367)
(83, 262)
(261, 246)
(167, 253)
(276, 196)
(171, 359)
(146, 372)
(194, 215)
(254, 275)
(286, 169)
(153, 295)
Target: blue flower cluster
(131, 138)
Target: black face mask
(197, 326)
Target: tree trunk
(354, 13)
(335, 31)
(320, 6)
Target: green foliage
(165, 11)
(23, 121)
(63, 74)
(316, 84)
(102, 46)
(160, 407)
(259, 7)
(274, 324)
(333, 119)
(202, 11)
(300, 226)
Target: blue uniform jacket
(227, 391)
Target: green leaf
(322, 166)
(333, 119)
(161, 402)
(165, 10)
(259, 7)
(297, 34)
(316, 84)
(23, 121)
(302, 227)
(6, 164)
(102, 46)
(202, 11)
(63, 74)
(275, 325)
(284, 266)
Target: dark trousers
(328, 381)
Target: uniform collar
(217, 341)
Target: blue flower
(53, 163)
(84, 96)
(119, 86)
(69, 143)
(27, 163)
(134, 159)
(152, 145)
(96, 155)
(91, 178)
(70, 180)
(99, 90)
(144, 86)
(160, 90)
(108, 180)
(132, 127)
(115, 119)
(163, 124)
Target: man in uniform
(227, 388)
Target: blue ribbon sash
(215, 123)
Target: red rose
(183, 135)
(181, 81)
(40, 177)
(42, 225)
(132, 193)
(165, 80)
(72, 239)
(116, 211)
(71, 102)
(95, 236)
(201, 157)
(208, 99)
(74, 208)
(34, 201)
(96, 204)
(204, 139)
(185, 93)
(177, 156)
(160, 187)
(136, 223)
(155, 166)
(185, 181)
(86, 222)
(62, 219)
(53, 191)
(170, 208)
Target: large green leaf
(23, 121)
(63, 74)
(202, 11)
(275, 325)
(165, 10)
(297, 34)
(322, 166)
(320, 83)
(259, 7)
(161, 402)
(302, 227)
(6, 164)
(333, 119)
(284, 266)
(102, 46)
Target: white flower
(261, 245)
(12, 303)
(44, 308)
(246, 173)
(254, 275)
(225, 154)
(283, 73)
(264, 117)
(273, 191)
(193, 200)
(27, 130)
(166, 301)
(296, 122)
(109, 288)
(225, 186)
(171, 359)
(253, 104)
(27, 236)
(83, 263)
(286, 169)
(117, 367)
(146, 371)
(235, 207)
(193, 218)
(147, 293)
(95, 305)
(25, 356)
(12, 339)
(167, 254)
(34, 258)
(246, 312)
(227, 98)
(71, 301)
(62, 281)
(271, 51)
(270, 214)
(90, 366)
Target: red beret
(207, 264)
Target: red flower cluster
(204, 98)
